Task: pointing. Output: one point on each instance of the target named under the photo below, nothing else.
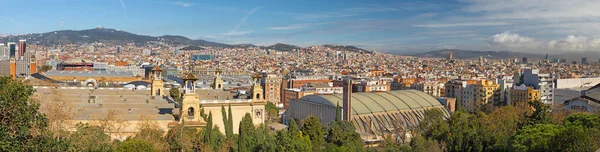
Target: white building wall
(576, 82)
(543, 82)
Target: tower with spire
(190, 106)
(218, 82)
(157, 83)
(257, 91)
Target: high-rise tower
(22, 49)
(12, 48)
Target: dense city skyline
(309, 76)
(385, 26)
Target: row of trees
(508, 128)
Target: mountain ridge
(120, 37)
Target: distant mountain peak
(104, 35)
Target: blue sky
(386, 26)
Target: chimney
(347, 100)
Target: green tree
(292, 139)
(466, 133)
(338, 113)
(434, 126)
(343, 136)
(585, 120)
(538, 137)
(229, 131)
(265, 141)
(581, 133)
(540, 115)
(153, 136)
(211, 136)
(247, 131)
(313, 129)
(21, 124)
(180, 137)
(90, 138)
(272, 111)
(135, 146)
(175, 94)
(422, 144)
(45, 68)
(501, 124)
(227, 121)
(389, 145)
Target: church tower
(157, 83)
(190, 106)
(257, 91)
(218, 82)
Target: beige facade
(271, 84)
(485, 92)
(255, 106)
(239, 109)
(433, 88)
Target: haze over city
(386, 26)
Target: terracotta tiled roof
(189, 76)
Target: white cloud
(237, 26)
(348, 12)
(464, 24)
(124, 8)
(575, 43)
(516, 42)
(296, 26)
(291, 27)
(123, 4)
(535, 9)
(183, 4)
(236, 33)
(508, 39)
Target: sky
(394, 26)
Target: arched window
(219, 86)
(258, 96)
(191, 113)
(158, 92)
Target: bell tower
(218, 82)
(157, 83)
(257, 91)
(190, 106)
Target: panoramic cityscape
(466, 75)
